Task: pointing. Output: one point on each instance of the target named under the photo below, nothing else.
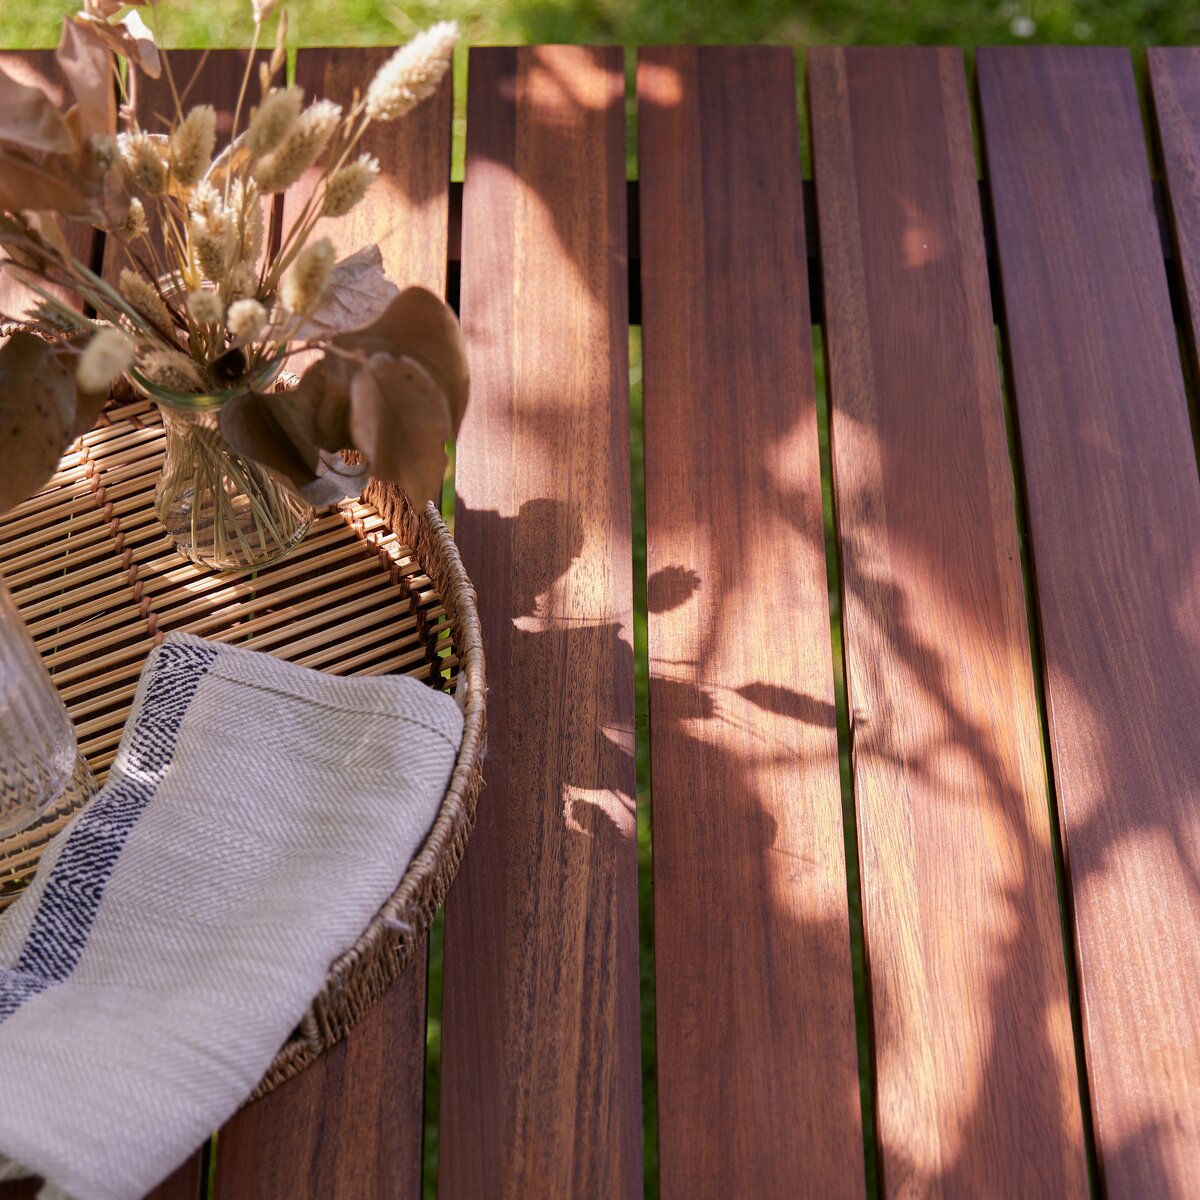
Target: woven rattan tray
(374, 588)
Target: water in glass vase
(221, 509)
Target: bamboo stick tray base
(98, 583)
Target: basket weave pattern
(374, 588)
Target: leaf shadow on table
(968, 771)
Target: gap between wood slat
(645, 801)
(863, 1024)
(1038, 663)
(1104, 439)
(814, 266)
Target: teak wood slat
(349, 1126)
(1175, 92)
(757, 1064)
(188, 1183)
(1114, 506)
(541, 1063)
(353, 1122)
(977, 1087)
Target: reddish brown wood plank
(188, 1183)
(346, 1128)
(408, 208)
(1114, 510)
(541, 1066)
(1175, 91)
(352, 1125)
(38, 68)
(757, 1067)
(977, 1090)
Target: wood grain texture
(407, 211)
(352, 1125)
(757, 1066)
(1175, 93)
(541, 1062)
(39, 68)
(190, 1182)
(1114, 509)
(346, 1128)
(977, 1088)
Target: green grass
(1134, 23)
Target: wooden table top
(1002, 271)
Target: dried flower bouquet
(202, 314)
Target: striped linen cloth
(256, 817)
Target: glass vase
(222, 510)
(38, 753)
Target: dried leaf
(25, 185)
(47, 227)
(318, 411)
(252, 425)
(88, 407)
(37, 414)
(336, 479)
(131, 38)
(117, 197)
(23, 242)
(29, 119)
(422, 326)
(86, 62)
(146, 52)
(400, 419)
(105, 8)
(358, 292)
(74, 123)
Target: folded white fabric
(256, 817)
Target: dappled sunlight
(559, 81)
(960, 913)
(923, 241)
(919, 625)
(575, 108)
(659, 84)
(583, 807)
(787, 459)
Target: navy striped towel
(257, 816)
